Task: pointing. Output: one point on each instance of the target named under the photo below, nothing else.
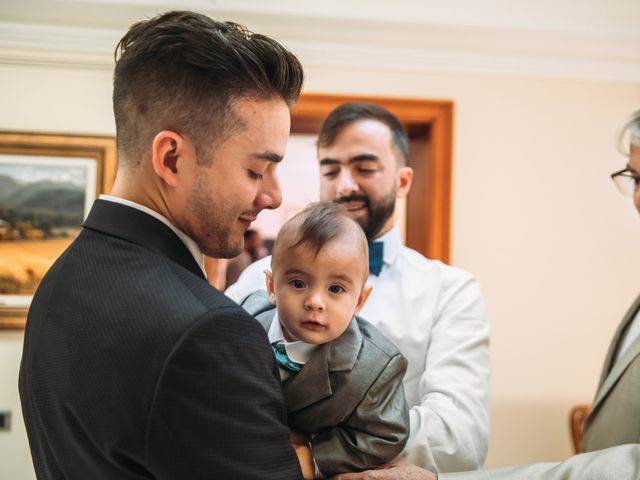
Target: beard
(378, 212)
(215, 222)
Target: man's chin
(223, 251)
(232, 252)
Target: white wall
(535, 217)
(299, 174)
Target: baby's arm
(374, 433)
(300, 444)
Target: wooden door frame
(429, 204)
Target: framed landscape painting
(47, 186)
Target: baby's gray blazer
(349, 393)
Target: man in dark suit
(134, 366)
(611, 439)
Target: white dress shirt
(435, 314)
(188, 242)
(633, 332)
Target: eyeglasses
(627, 181)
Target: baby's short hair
(317, 225)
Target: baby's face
(318, 295)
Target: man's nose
(270, 195)
(346, 183)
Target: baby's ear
(364, 294)
(270, 286)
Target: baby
(341, 378)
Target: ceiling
(589, 39)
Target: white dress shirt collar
(188, 242)
(297, 351)
(632, 333)
(392, 245)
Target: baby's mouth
(312, 324)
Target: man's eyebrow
(363, 157)
(329, 161)
(268, 156)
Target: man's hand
(390, 471)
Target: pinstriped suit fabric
(134, 367)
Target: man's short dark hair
(349, 113)
(183, 71)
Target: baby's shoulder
(375, 339)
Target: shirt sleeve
(374, 433)
(612, 463)
(250, 280)
(450, 425)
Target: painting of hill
(8, 186)
(41, 203)
(45, 204)
(41, 211)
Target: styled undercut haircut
(349, 113)
(316, 226)
(183, 71)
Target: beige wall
(535, 217)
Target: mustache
(354, 198)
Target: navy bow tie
(375, 258)
(283, 359)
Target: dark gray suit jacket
(349, 394)
(134, 367)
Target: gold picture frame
(47, 185)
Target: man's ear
(364, 294)
(404, 177)
(270, 286)
(168, 154)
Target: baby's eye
(296, 283)
(336, 289)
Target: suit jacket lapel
(618, 369)
(615, 343)
(137, 227)
(345, 349)
(313, 383)
(612, 370)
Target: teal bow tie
(375, 257)
(283, 359)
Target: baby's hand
(306, 460)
